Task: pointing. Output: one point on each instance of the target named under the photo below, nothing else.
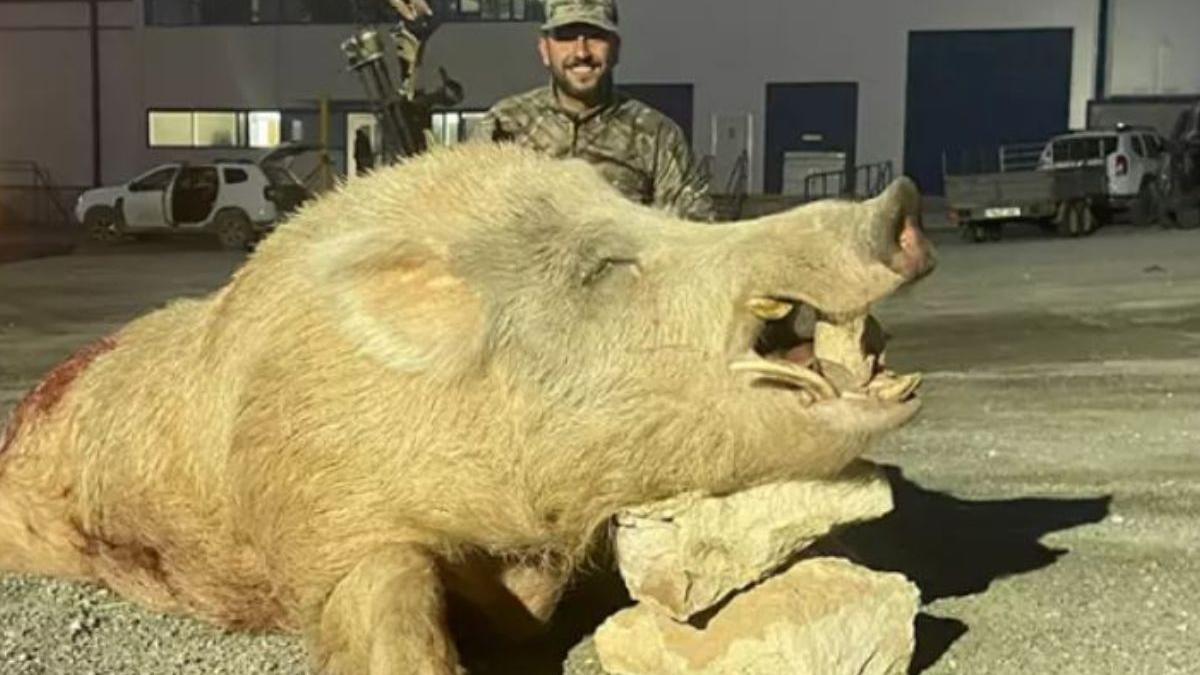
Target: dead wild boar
(438, 384)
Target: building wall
(1155, 47)
(732, 58)
(45, 88)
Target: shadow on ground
(951, 547)
(947, 546)
(25, 242)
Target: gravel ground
(1047, 495)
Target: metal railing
(29, 196)
(738, 182)
(861, 182)
(1003, 159)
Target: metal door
(818, 117)
(975, 90)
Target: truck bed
(1022, 194)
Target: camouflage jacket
(638, 149)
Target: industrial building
(97, 91)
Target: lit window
(469, 120)
(215, 129)
(266, 12)
(170, 129)
(265, 128)
(453, 127)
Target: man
(580, 114)
(364, 154)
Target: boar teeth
(809, 381)
(891, 387)
(768, 309)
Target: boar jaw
(824, 358)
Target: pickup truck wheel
(1147, 206)
(1067, 221)
(1087, 219)
(974, 232)
(1188, 219)
(233, 230)
(102, 224)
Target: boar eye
(606, 266)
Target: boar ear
(403, 305)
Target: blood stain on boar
(51, 390)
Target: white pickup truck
(238, 201)
(1134, 158)
(1074, 184)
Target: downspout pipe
(94, 30)
(1102, 50)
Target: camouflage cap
(599, 13)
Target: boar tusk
(891, 387)
(769, 309)
(789, 374)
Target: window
(170, 129)
(277, 175)
(214, 128)
(1154, 146)
(235, 176)
(1136, 143)
(495, 10)
(265, 128)
(248, 12)
(1084, 149)
(454, 126)
(155, 181)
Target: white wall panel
(1155, 47)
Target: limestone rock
(583, 660)
(685, 555)
(824, 616)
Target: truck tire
(974, 232)
(233, 230)
(102, 224)
(1189, 218)
(1146, 209)
(1087, 219)
(1068, 221)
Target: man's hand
(411, 10)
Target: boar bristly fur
(439, 383)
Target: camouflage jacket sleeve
(680, 186)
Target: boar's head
(599, 349)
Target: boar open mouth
(822, 357)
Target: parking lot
(1046, 497)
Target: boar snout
(837, 256)
(831, 261)
(911, 254)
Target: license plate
(1006, 212)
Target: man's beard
(591, 94)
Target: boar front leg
(387, 617)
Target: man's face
(580, 58)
